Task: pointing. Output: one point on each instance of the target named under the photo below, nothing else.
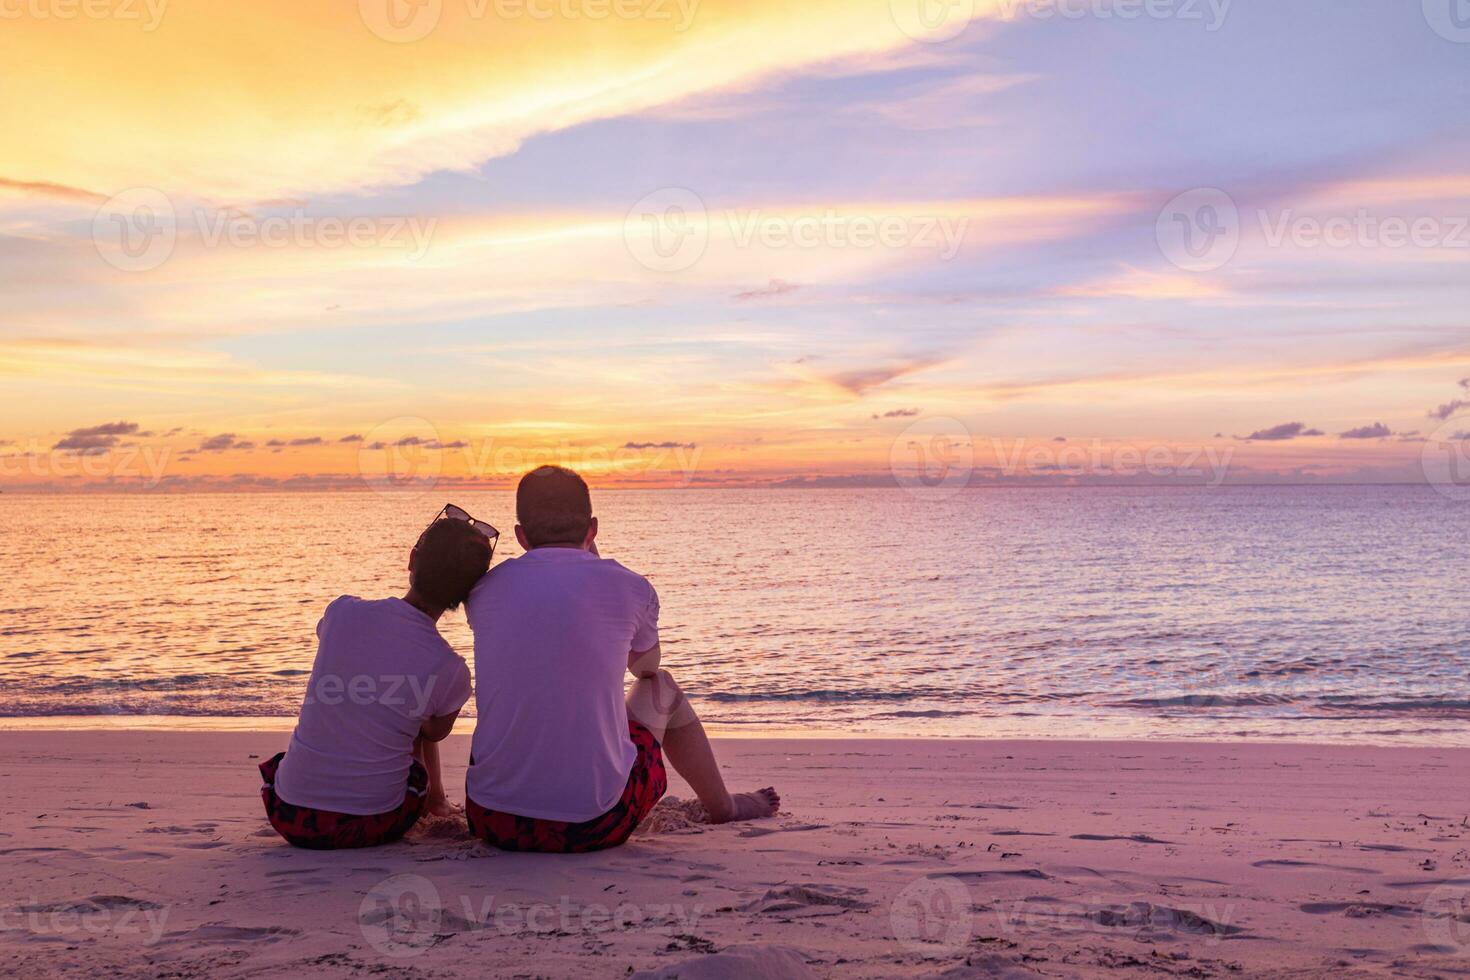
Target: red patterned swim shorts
(646, 786)
(323, 830)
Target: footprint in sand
(219, 933)
(1034, 873)
(765, 831)
(1135, 838)
(96, 903)
(807, 901)
(762, 962)
(1146, 915)
(199, 828)
(125, 855)
(1358, 910)
(1314, 866)
(1429, 883)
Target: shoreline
(138, 853)
(1447, 737)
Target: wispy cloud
(1375, 431)
(1449, 409)
(776, 287)
(96, 438)
(1283, 432)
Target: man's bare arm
(646, 663)
(438, 729)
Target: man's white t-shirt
(553, 630)
(381, 671)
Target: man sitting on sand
(363, 762)
(560, 760)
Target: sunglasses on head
(453, 513)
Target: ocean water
(1316, 613)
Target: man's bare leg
(436, 802)
(660, 706)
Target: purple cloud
(218, 444)
(1449, 409)
(96, 438)
(1280, 433)
(776, 287)
(1375, 431)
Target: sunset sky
(719, 242)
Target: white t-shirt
(381, 670)
(553, 630)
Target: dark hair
(452, 557)
(553, 506)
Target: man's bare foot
(443, 808)
(749, 806)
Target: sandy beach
(139, 854)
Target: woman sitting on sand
(363, 762)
